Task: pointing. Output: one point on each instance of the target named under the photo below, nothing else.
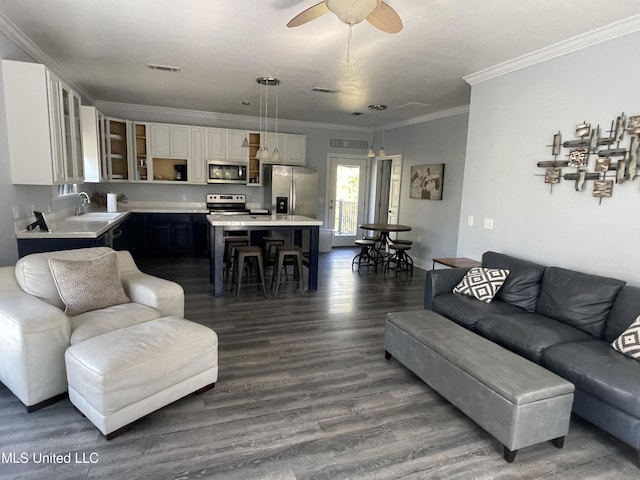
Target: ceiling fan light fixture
(352, 12)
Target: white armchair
(36, 332)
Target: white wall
(434, 222)
(512, 120)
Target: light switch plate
(470, 221)
(488, 223)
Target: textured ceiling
(221, 47)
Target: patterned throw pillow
(482, 283)
(628, 342)
(86, 285)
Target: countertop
(89, 225)
(260, 220)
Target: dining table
(384, 229)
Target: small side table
(460, 262)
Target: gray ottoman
(515, 400)
(118, 377)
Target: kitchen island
(292, 223)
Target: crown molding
(427, 118)
(131, 110)
(579, 42)
(22, 41)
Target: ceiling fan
(352, 12)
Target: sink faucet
(82, 200)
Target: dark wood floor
(304, 392)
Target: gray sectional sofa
(563, 320)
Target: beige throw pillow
(86, 285)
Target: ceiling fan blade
(385, 18)
(309, 14)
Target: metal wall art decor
(426, 181)
(615, 157)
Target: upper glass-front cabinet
(43, 126)
(72, 136)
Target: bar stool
(270, 244)
(400, 241)
(248, 254)
(367, 256)
(230, 244)
(287, 255)
(402, 262)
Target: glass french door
(347, 194)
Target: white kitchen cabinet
(72, 134)
(43, 126)
(197, 164)
(216, 144)
(93, 145)
(119, 166)
(291, 148)
(235, 151)
(169, 141)
(143, 168)
(295, 149)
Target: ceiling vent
(163, 68)
(324, 90)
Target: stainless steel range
(227, 204)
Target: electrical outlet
(488, 223)
(470, 221)
(184, 197)
(16, 213)
(419, 239)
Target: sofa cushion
(482, 283)
(628, 343)
(597, 369)
(528, 334)
(85, 285)
(34, 275)
(105, 320)
(522, 287)
(578, 299)
(466, 311)
(625, 310)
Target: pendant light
(245, 142)
(265, 150)
(275, 156)
(266, 82)
(382, 152)
(371, 153)
(259, 152)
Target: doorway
(346, 197)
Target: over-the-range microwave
(226, 172)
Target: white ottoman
(118, 377)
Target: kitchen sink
(95, 217)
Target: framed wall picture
(426, 181)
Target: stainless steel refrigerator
(291, 190)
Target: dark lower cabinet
(131, 234)
(167, 234)
(142, 234)
(201, 232)
(27, 246)
(171, 237)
